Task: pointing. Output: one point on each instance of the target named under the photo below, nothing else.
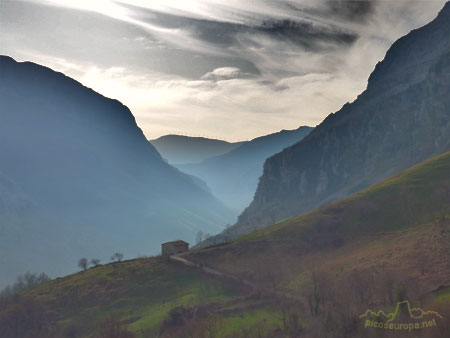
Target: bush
(112, 328)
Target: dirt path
(255, 288)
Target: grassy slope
(394, 226)
(141, 291)
(414, 196)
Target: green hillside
(412, 197)
(140, 292)
(413, 201)
(309, 276)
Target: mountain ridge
(179, 149)
(90, 181)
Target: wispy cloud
(234, 69)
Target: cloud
(230, 68)
(354, 10)
(224, 73)
(310, 37)
(163, 104)
(300, 30)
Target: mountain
(402, 118)
(78, 178)
(323, 269)
(178, 149)
(233, 177)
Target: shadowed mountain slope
(78, 178)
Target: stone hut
(173, 248)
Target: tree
(199, 237)
(318, 290)
(95, 261)
(83, 263)
(24, 282)
(117, 257)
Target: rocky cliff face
(402, 118)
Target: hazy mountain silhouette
(402, 118)
(178, 149)
(78, 178)
(233, 177)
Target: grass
(266, 318)
(142, 291)
(443, 295)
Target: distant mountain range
(402, 118)
(78, 178)
(178, 149)
(233, 177)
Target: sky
(227, 69)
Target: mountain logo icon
(404, 317)
(401, 308)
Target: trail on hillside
(217, 273)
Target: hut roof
(177, 243)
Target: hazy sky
(231, 69)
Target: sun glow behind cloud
(230, 69)
(106, 7)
